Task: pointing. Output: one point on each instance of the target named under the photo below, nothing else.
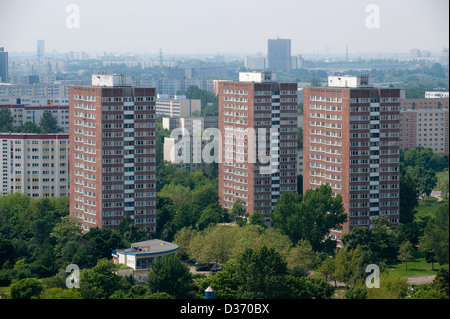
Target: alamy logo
(256, 146)
(373, 280)
(373, 19)
(73, 280)
(73, 19)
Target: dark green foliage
(49, 124)
(6, 120)
(436, 235)
(169, 275)
(26, 289)
(356, 293)
(310, 217)
(209, 101)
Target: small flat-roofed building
(141, 256)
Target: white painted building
(436, 95)
(35, 164)
(141, 256)
(179, 106)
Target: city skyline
(209, 27)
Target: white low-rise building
(141, 256)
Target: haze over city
(213, 27)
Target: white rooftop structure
(258, 77)
(110, 80)
(350, 81)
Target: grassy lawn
(440, 176)
(4, 290)
(428, 206)
(416, 268)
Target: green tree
(381, 240)
(6, 120)
(225, 282)
(130, 232)
(28, 127)
(310, 219)
(60, 293)
(392, 286)
(356, 293)
(436, 235)
(183, 238)
(408, 196)
(209, 101)
(441, 281)
(405, 253)
(239, 212)
(328, 269)
(256, 218)
(164, 216)
(261, 274)
(302, 255)
(426, 179)
(214, 244)
(27, 288)
(168, 274)
(7, 252)
(66, 230)
(423, 157)
(101, 281)
(178, 193)
(300, 138)
(443, 185)
(49, 124)
(426, 291)
(98, 243)
(346, 265)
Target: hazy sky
(212, 26)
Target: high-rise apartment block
(424, 122)
(3, 65)
(112, 152)
(279, 54)
(35, 164)
(351, 143)
(40, 50)
(258, 150)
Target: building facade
(187, 141)
(112, 138)
(22, 113)
(351, 143)
(35, 164)
(279, 54)
(436, 95)
(3, 65)
(424, 122)
(179, 106)
(141, 256)
(258, 124)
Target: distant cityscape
(99, 129)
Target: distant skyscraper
(351, 143)
(279, 54)
(112, 153)
(3, 65)
(258, 123)
(40, 50)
